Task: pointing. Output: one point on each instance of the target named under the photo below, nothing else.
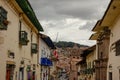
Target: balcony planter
(23, 39)
(28, 68)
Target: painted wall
(9, 41)
(113, 59)
(90, 63)
(44, 51)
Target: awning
(49, 62)
(46, 62)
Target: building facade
(87, 64)
(112, 20)
(107, 36)
(102, 53)
(44, 56)
(18, 41)
(74, 55)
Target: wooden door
(8, 74)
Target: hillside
(64, 44)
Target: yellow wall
(9, 41)
(90, 60)
(113, 59)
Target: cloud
(72, 19)
(57, 9)
(88, 25)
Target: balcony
(23, 39)
(34, 48)
(87, 71)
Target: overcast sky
(69, 20)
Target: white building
(44, 56)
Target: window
(23, 38)
(34, 48)
(42, 53)
(3, 19)
(117, 46)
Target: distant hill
(64, 44)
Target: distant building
(87, 64)
(74, 55)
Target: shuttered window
(3, 19)
(117, 46)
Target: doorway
(110, 75)
(10, 71)
(21, 74)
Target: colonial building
(107, 36)
(19, 30)
(102, 37)
(111, 19)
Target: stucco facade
(113, 58)
(45, 51)
(17, 60)
(109, 24)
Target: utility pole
(56, 37)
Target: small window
(3, 19)
(34, 48)
(42, 53)
(117, 46)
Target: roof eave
(47, 40)
(27, 9)
(94, 36)
(111, 13)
